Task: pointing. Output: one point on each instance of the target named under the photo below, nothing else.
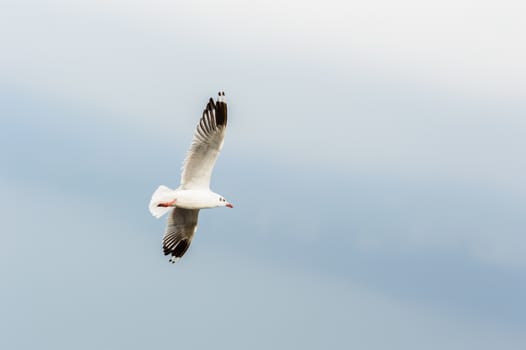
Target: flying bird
(194, 191)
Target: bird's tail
(162, 194)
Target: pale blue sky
(375, 158)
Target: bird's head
(224, 203)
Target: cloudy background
(375, 158)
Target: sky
(374, 157)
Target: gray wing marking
(180, 229)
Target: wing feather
(180, 229)
(206, 145)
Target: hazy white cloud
(354, 80)
(424, 91)
(113, 52)
(463, 45)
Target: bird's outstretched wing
(180, 230)
(206, 145)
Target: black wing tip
(177, 251)
(220, 107)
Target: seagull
(194, 191)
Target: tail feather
(162, 194)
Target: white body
(195, 199)
(187, 199)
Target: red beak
(229, 205)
